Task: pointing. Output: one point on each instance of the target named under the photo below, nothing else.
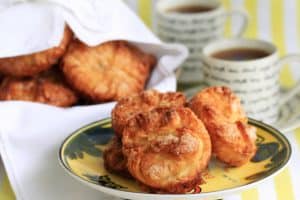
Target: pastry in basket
(30, 65)
(143, 102)
(167, 149)
(233, 140)
(107, 72)
(48, 87)
(114, 160)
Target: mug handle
(245, 17)
(292, 92)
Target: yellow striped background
(6, 192)
(297, 132)
(278, 38)
(227, 5)
(283, 186)
(298, 21)
(251, 7)
(145, 11)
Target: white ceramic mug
(255, 81)
(194, 30)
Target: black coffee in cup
(186, 9)
(240, 54)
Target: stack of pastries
(74, 73)
(166, 142)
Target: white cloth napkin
(38, 25)
(30, 137)
(35, 25)
(31, 133)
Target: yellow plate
(81, 156)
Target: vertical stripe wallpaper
(277, 11)
(251, 7)
(227, 5)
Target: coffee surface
(190, 9)
(240, 54)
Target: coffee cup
(251, 68)
(193, 23)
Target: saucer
(81, 156)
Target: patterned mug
(193, 29)
(255, 81)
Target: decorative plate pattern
(81, 156)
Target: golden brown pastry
(167, 149)
(114, 160)
(30, 65)
(108, 71)
(233, 140)
(143, 102)
(47, 87)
